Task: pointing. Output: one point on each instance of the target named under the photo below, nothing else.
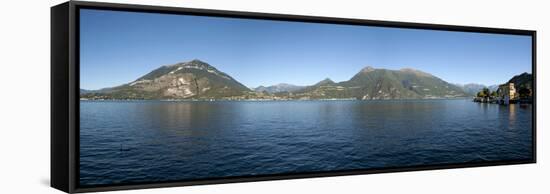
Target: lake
(125, 142)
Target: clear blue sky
(118, 47)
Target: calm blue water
(149, 141)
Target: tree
(484, 93)
(479, 94)
(524, 93)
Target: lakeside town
(505, 94)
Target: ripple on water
(135, 142)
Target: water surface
(148, 141)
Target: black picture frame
(65, 92)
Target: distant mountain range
(473, 88)
(524, 80)
(282, 87)
(199, 80)
(83, 91)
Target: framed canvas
(148, 96)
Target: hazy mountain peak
(325, 81)
(281, 87)
(472, 88)
(367, 69)
(474, 84)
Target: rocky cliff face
(193, 79)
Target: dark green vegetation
(524, 80)
(524, 86)
(197, 80)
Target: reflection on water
(148, 141)
(512, 113)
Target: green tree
(484, 93)
(524, 92)
(480, 94)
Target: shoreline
(263, 100)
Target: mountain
(198, 80)
(493, 87)
(370, 83)
(521, 81)
(473, 88)
(524, 80)
(83, 91)
(325, 82)
(188, 80)
(282, 87)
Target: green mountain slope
(371, 83)
(524, 80)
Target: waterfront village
(505, 94)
